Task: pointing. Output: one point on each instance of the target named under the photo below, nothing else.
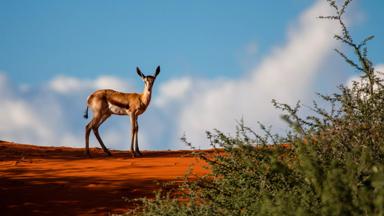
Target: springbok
(106, 102)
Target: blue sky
(89, 38)
(199, 44)
(40, 39)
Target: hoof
(133, 153)
(87, 154)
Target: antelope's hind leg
(95, 128)
(88, 129)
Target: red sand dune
(62, 181)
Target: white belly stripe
(117, 110)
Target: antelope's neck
(146, 96)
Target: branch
(349, 61)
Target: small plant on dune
(334, 164)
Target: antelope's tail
(86, 113)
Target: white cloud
(16, 117)
(4, 88)
(173, 90)
(287, 75)
(3, 79)
(105, 82)
(65, 84)
(70, 85)
(379, 68)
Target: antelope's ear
(157, 71)
(139, 72)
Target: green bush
(334, 164)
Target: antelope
(106, 102)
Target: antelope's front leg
(137, 150)
(133, 128)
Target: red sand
(62, 181)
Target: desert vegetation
(332, 163)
